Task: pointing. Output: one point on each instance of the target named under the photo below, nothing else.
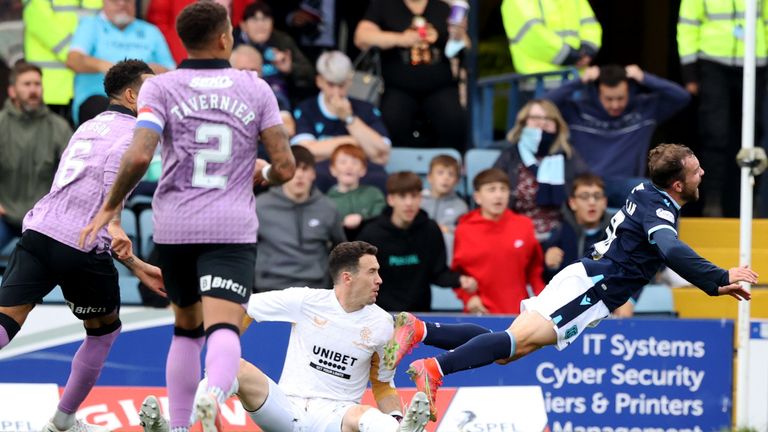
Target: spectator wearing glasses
(585, 218)
(541, 165)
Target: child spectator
(440, 200)
(584, 222)
(355, 202)
(497, 247)
(411, 251)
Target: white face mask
(122, 20)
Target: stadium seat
(146, 229)
(121, 269)
(55, 296)
(416, 159)
(444, 300)
(655, 300)
(476, 161)
(128, 222)
(129, 290)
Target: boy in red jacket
(498, 248)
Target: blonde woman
(541, 164)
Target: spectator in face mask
(541, 164)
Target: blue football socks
(479, 351)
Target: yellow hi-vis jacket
(714, 30)
(48, 29)
(546, 35)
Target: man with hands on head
(611, 121)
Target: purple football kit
(209, 117)
(48, 253)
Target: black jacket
(411, 259)
(509, 160)
(573, 240)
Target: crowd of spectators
(567, 163)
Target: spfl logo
(468, 421)
(465, 418)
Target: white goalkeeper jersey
(331, 353)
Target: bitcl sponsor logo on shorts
(85, 309)
(209, 282)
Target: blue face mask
(530, 139)
(536, 141)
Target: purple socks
(4, 339)
(8, 329)
(182, 373)
(222, 361)
(86, 368)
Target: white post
(745, 229)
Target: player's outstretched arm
(133, 165)
(283, 166)
(122, 250)
(736, 275)
(151, 276)
(688, 264)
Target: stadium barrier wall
(624, 375)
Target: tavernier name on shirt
(213, 101)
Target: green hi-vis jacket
(545, 35)
(48, 29)
(714, 30)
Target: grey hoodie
(295, 239)
(445, 210)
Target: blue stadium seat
(128, 222)
(476, 161)
(146, 229)
(55, 296)
(129, 290)
(121, 269)
(444, 300)
(416, 159)
(656, 299)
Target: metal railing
(519, 88)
